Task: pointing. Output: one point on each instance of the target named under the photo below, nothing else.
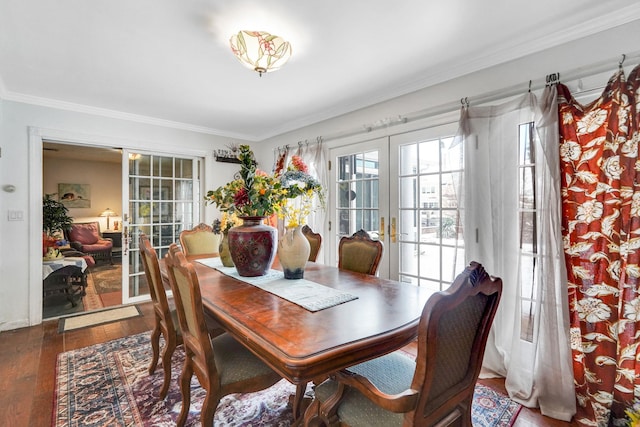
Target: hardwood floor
(28, 365)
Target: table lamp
(108, 213)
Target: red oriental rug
(108, 385)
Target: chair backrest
(186, 291)
(359, 253)
(156, 286)
(200, 240)
(452, 335)
(315, 241)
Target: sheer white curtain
(536, 364)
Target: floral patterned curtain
(601, 231)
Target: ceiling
(169, 62)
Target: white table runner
(305, 293)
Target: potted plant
(55, 219)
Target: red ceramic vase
(253, 246)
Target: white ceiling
(169, 62)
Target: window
(527, 227)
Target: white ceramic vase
(293, 252)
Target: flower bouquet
(253, 196)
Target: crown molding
(114, 114)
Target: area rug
(108, 385)
(98, 318)
(106, 277)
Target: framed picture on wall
(75, 195)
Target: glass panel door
(429, 250)
(163, 198)
(359, 197)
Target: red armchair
(85, 237)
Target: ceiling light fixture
(260, 51)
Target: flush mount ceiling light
(260, 51)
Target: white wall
(21, 163)
(104, 179)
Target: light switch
(16, 215)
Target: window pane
(408, 159)
(430, 261)
(371, 165)
(184, 168)
(450, 187)
(408, 258)
(429, 224)
(429, 153)
(408, 192)
(527, 196)
(430, 191)
(528, 232)
(408, 225)
(452, 157)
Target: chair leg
(167, 354)
(185, 391)
(155, 348)
(311, 418)
(209, 406)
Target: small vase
(225, 254)
(293, 252)
(253, 246)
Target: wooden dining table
(304, 346)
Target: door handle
(393, 230)
(381, 233)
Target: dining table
(307, 346)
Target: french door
(162, 198)
(402, 190)
(359, 180)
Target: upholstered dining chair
(222, 365)
(435, 389)
(315, 241)
(200, 240)
(359, 253)
(166, 319)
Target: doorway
(97, 171)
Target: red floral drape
(601, 231)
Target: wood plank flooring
(28, 365)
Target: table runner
(305, 293)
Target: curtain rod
(306, 142)
(577, 73)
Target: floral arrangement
(633, 413)
(228, 220)
(301, 189)
(254, 193)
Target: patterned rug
(108, 385)
(106, 277)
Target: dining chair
(222, 365)
(435, 389)
(359, 253)
(200, 240)
(165, 319)
(315, 241)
